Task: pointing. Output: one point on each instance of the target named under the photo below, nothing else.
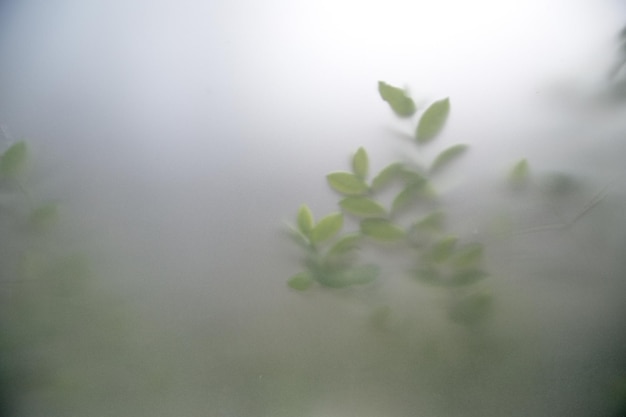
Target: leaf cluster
(439, 259)
(13, 165)
(329, 256)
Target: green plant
(412, 220)
(47, 308)
(400, 206)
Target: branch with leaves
(438, 257)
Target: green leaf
(428, 275)
(360, 163)
(298, 238)
(13, 159)
(305, 220)
(443, 249)
(447, 156)
(412, 177)
(388, 174)
(401, 104)
(519, 174)
(362, 207)
(432, 222)
(468, 255)
(44, 216)
(300, 282)
(345, 244)
(428, 192)
(347, 183)
(432, 121)
(359, 275)
(314, 263)
(472, 309)
(405, 197)
(467, 277)
(559, 184)
(381, 229)
(327, 227)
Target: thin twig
(598, 197)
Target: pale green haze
(329, 208)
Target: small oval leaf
(467, 277)
(382, 230)
(300, 282)
(432, 222)
(387, 175)
(297, 237)
(13, 159)
(405, 197)
(345, 244)
(347, 183)
(362, 207)
(360, 163)
(412, 177)
(468, 255)
(443, 249)
(305, 220)
(518, 175)
(560, 184)
(447, 156)
(359, 275)
(472, 309)
(401, 104)
(327, 227)
(42, 217)
(432, 121)
(428, 275)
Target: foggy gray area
(178, 139)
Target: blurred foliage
(440, 258)
(51, 320)
(614, 90)
(399, 212)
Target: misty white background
(179, 135)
